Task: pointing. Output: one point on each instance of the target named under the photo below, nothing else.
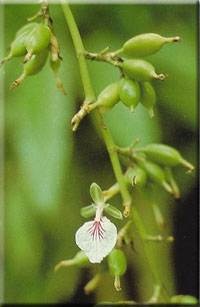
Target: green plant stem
(90, 97)
(80, 50)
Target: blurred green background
(48, 169)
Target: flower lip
(97, 238)
(96, 230)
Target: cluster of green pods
(34, 41)
(156, 162)
(135, 87)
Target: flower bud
(166, 155)
(114, 212)
(37, 40)
(146, 44)
(79, 260)
(140, 70)
(88, 211)
(96, 193)
(32, 67)
(109, 96)
(155, 173)
(148, 97)
(136, 175)
(184, 299)
(129, 93)
(117, 265)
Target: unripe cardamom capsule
(37, 40)
(117, 265)
(156, 174)
(148, 97)
(129, 93)
(146, 44)
(26, 28)
(136, 175)
(32, 67)
(117, 262)
(17, 47)
(109, 96)
(140, 70)
(166, 155)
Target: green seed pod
(79, 260)
(148, 97)
(155, 173)
(17, 47)
(166, 155)
(37, 40)
(129, 93)
(109, 96)
(117, 266)
(184, 299)
(113, 211)
(117, 262)
(140, 70)
(136, 176)
(26, 29)
(32, 67)
(96, 193)
(146, 44)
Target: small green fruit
(136, 175)
(146, 44)
(17, 47)
(109, 96)
(140, 70)
(129, 93)
(155, 173)
(165, 155)
(32, 67)
(117, 262)
(27, 28)
(37, 40)
(148, 97)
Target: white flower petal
(97, 242)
